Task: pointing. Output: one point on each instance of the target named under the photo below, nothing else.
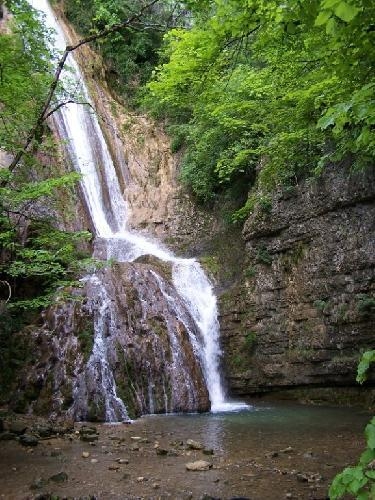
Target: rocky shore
(151, 459)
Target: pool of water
(267, 451)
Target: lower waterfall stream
(169, 378)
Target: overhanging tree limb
(44, 114)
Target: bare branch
(44, 113)
(70, 101)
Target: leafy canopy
(264, 91)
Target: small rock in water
(86, 429)
(7, 436)
(85, 454)
(135, 438)
(288, 449)
(114, 467)
(194, 445)
(161, 451)
(140, 479)
(61, 477)
(208, 451)
(122, 460)
(88, 438)
(134, 447)
(38, 484)
(302, 478)
(18, 427)
(28, 440)
(94, 460)
(199, 465)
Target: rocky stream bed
(181, 456)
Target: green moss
(250, 339)
(210, 263)
(86, 338)
(263, 256)
(365, 305)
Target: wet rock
(89, 438)
(60, 477)
(193, 445)
(18, 427)
(43, 431)
(114, 467)
(28, 440)
(302, 478)
(94, 460)
(161, 451)
(85, 454)
(39, 483)
(272, 454)
(7, 436)
(122, 461)
(288, 449)
(199, 465)
(134, 447)
(87, 430)
(208, 451)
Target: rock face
(122, 347)
(305, 307)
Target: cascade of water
(90, 155)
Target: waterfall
(88, 151)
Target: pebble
(85, 454)
(122, 460)
(61, 477)
(94, 460)
(114, 467)
(28, 440)
(161, 451)
(193, 445)
(199, 465)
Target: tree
(264, 92)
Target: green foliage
(263, 256)
(321, 305)
(250, 339)
(368, 357)
(365, 304)
(130, 54)
(35, 257)
(268, 91)
(360, 479)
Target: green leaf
(328, 4)
(370, 434)
(346, 12)
(323, 17)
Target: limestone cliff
(304, 309)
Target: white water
(105, 201)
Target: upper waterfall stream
(86, 147)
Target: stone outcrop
(304, 309)
(125, 335)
